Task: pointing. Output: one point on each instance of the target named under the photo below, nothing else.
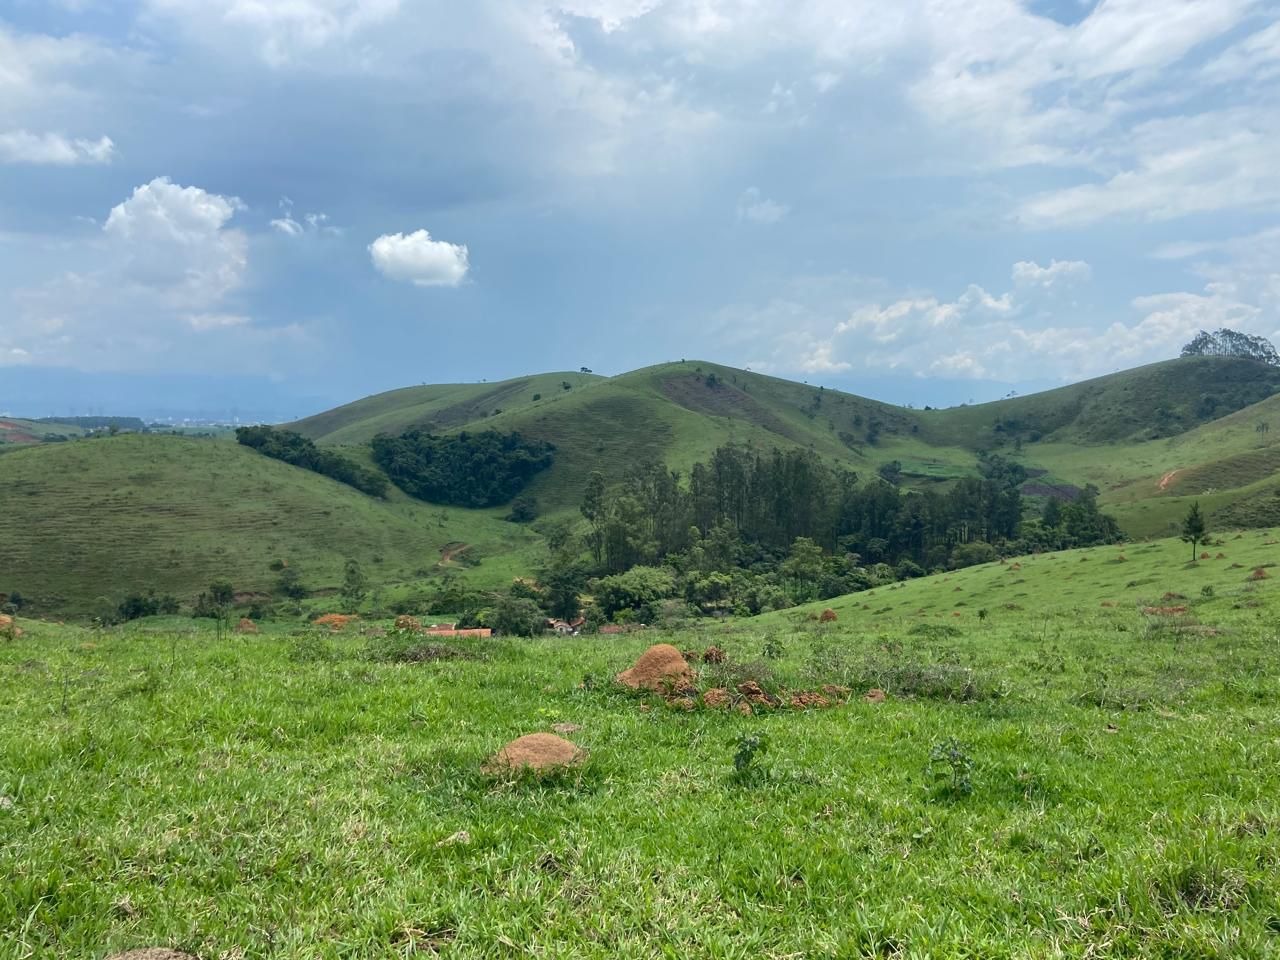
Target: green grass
(83, 524)
(284, 797)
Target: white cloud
(756, 208)
(282, 30)
(310, 223)
(175, 241)
(419, 260)
(54, 149)
(1029, 273)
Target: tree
(1232, 343)
(1193, 528)
(290, 584)
(354, 584)
(524, 509)
(516, 617)
(593, 511)
(563, 580)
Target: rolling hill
(87, 522)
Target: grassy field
(286, 796)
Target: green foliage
(290, 584)
(295, 449)
(465, 469)
(747, 749)
(517, 617)
(137, 606)
(951, 767)
(524, 509)
(355, 585)
(638, 590)
(1194, 528)
(1231, 343)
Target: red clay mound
(755, 695)
(539, 752)
(246, 626)
(406, 622)
(875, 696)
(660, 664)
(1259, 574)
(335, 621)
(716, 699)
(713, 655)
(828, 616)
(808, 699)
(7, 624)
(153, 953)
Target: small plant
(773, 648)
(1207, 591)
(747, 748)
(951, 767)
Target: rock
(539, 752)
(661, 665)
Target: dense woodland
(293, 448)
(482, 469)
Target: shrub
(951, 767)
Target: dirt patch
(875, 696)
(1176, 611)
(828, 616)
(1167, 479)
(1259, 574)
(335, 621)
(246, 626)
(809, 700)
(660, 666)
(755, 695)
(450, 552)
(716, 699)
(713, 655)
(537, 752)
(153, 953)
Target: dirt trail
(451, 551)
(1167, 479)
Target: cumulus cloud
(176, 242)
(420, 260)
(754, 207)
(166, 264)
(54, 149)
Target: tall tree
(1193, 528)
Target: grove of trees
(464, 469)
(300, 451)
(1232, 343)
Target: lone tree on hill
(1231, 343)
(1193, 528)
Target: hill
(83, 524)
(96, 519)
(17, 433)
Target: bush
(517, 617)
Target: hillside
(83, 524)
(19, 433)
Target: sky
(278, 205)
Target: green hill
(95, 519)
(84, 524)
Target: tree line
(293, 448)
(465, 469)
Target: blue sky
(296, 202)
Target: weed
(950, 768)
(773, 648)
(747, 748)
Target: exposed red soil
(755, 695)
(1259, 574)
(246, 626)
(539, 752)
(716, 698)
(406, 622)
(335, 621)
(659, 666)
(875, 696)
(808, 699)
(1166, 480)
(828, 616)
(713, 655)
